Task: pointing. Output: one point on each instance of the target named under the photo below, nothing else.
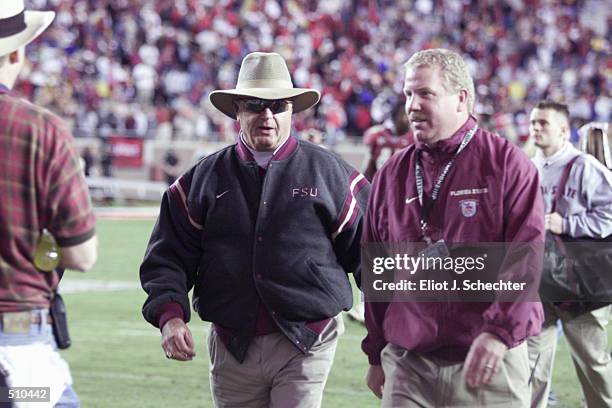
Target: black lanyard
(426, 209)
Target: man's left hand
(483, 360)
(554, 223)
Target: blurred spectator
(314, 136)
(171, 166)
(106, 162)
(88, 161)
(384, 140)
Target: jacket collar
(447, 146)
(561, 157)
(281, 153)
(6, 90)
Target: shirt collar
(247, 153)
(450, 144)
(560, 155)
(5, 90)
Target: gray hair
(453, 69)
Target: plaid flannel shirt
(41, 186)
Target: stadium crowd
(145, 68)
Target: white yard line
(126, 213)
(89, 285)
(196, 382)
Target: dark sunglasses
(259, 105)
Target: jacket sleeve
(349, 224)
(170, 264)
(374, 341)
(596, 219)
(516, 317)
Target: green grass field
(116, 359)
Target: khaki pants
(274, 373)
(413, 380)
(588, 343)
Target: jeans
(42, 332)
(69, 399)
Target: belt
(34, 317)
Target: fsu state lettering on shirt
(552, 190)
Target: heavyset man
(265, 231)
(460, 184)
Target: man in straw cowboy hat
(265, 231)
(41, 188)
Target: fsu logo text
(305, 192)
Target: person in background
(314, 136)
(171, 166)
(584, 210)
(42, 189)
(106, 161)
(383, 142)
(88, 161)
(386, 139)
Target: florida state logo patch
(469, 208)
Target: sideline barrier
(103, 188)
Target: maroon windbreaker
(502, 186)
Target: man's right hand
(177, 341)
(376, 380)
(554, 223)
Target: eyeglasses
(259, 105)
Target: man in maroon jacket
(456, 184)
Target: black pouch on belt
(59, 322)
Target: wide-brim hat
(18, 26)
(265, 76)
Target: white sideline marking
(89, 285)
(195, 381)
(126, 213)
(151, 332)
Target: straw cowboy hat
(19, 27)
(264, 76)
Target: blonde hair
(453, 69)
(596, 139)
